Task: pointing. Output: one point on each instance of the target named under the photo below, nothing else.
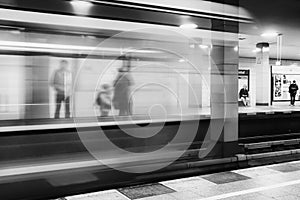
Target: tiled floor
(273, 182)
(148, 190)
(225, 177)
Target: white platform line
(80, 124)
(47, 168)
(232, 194)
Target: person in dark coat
(293, 88)
(62, 83)
(122, 100)
(244, 95)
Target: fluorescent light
(266, 49)
(269, 34)
(181, 60)
(81, 7)
(202, 46)
(188, 26)
(81, 3)
(60, 48)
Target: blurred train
(175, 51)
(32, 44)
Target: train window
(147, 72)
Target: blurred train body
(30, 54)
(184, 99)
(26, 89)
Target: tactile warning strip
(147, 190)
(225, 177)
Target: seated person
(244, 95)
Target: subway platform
(277, 181)
(204, 112)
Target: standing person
(121, 99)
(62, 83)
(293, 91)
(244, 95)
(104, 100)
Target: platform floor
(279, 182)
(268, 109)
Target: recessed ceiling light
(269, 34)
(181, 60)
(188, 26)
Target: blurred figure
(293, 88)
(103, 100)
(62, 83)
(244, 95)
(121, 99)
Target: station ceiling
(281, 16)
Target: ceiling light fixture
(81, 3)
(188, 26)
(265, 49)
(48, 47)
(279, 49)
(81, 7)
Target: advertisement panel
(282, 77)
(244, 79)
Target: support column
(224, 87)
(224, 99)
(263, 75)
(224, 95)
